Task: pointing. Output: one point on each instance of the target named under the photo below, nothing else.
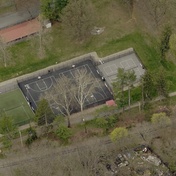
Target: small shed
(111, 103)
(47, 23)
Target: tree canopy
(118, 133)
(63, 133)
(165, 37)
(44, 114)
(78, 19)
(160, 119)
(6, 125)
(124, 79)
(52, 9)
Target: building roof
(20, 30)
(110, 103)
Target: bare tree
(41, 38)
(4, 52)
(61, 95)
(78, 18)
(157, 9)
(130, 4)
(131, 78)
(44, 114)
(84, 86)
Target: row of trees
(157, 9)
(151, 85)
(78, 17)
(67, 95)
(94, 155)
(52, 9)
(55, 9)
(124, 80)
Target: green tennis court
(14, 105)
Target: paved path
(88, 113)
(18, 17)
(77, 119)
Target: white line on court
(25, 111)
(97, 82)
(45, 83)
(28, 93)
(106, 70)
(35, 82)
(39, 87)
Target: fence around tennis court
(12, 84)
(117, 55)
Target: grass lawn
(61, 50)
(14, 105)
(120, 33)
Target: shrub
(32, 136)
(64, 133)
(7, 143)
(160, 119)
(105, 123)
(118, 134)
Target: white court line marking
(137, 72)
(111, 67)
(112, 79)
(28, 93)
(105, 95)
(121, 63)
(45, 83)
(41, 88)
(134, 64)
(72, 74)
(131, 63)
(85, 67)
(106, 70)
(45, 89)
(92, 96)
(99, 86)
(54, 80)
(87, 101)
(72, 69)
(26, 112)
(128, 65)
(92, 101)
(61, 74)
(114, 68)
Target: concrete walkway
(88, 113)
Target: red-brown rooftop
(20, 30)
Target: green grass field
(14, 105)
(120, 33)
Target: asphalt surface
(7, 165)
(11, 19)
